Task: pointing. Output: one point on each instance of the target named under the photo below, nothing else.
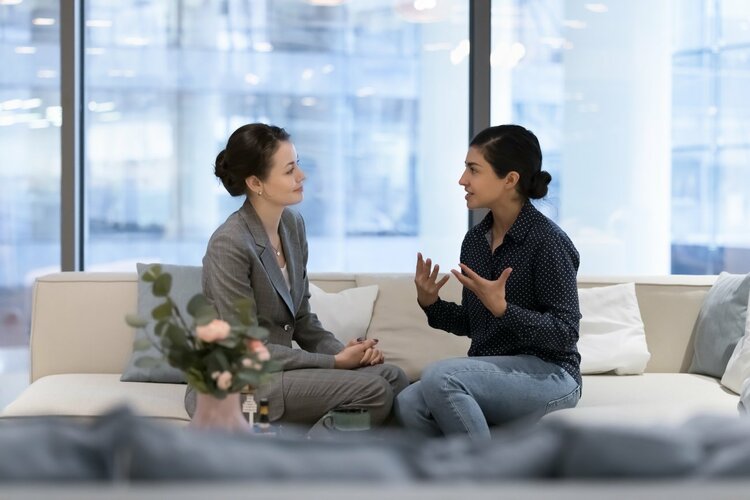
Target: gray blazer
(240, 262)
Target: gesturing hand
(490, 292)
(425, 279)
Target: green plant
(217, 357)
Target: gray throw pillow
(721, 324)
(186, 282)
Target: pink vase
(221, 414)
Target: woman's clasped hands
(490, 292)
(359, 352)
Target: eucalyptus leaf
(205, 316)
(162, 311)
(142, 345)
(246, 311)
(196, 304)
(258, 333)
(151, 273)
(161, 327)
(177, 336)
(248, 378)
(162, 285)
(166, 343)
(135, 321)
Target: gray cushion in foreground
(122, 446)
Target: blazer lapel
(293, 255)
(266, 254)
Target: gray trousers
(311, 393)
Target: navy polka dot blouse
(542, 316)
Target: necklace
(276, 250)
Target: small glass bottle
(264, 420)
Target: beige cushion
(401, 326)
(91, 394)
(649, 398)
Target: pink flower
(224, 381)
(260, 349)
(215, 330)
(249, 363)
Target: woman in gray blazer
(261, 252)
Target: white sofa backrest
(78, 324)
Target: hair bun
(220, 167)
(539, 182)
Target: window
(30, 117)
(640, 109)
(375, 95)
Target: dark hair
(248, 152)
(513, 148)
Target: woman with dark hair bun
(519, 305)
(261, 252)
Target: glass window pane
(640, 108)
(375, 95)
(30, 118)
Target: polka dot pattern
(543, 314)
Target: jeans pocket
(567, 401)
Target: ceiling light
(326, 3)
(575, 24)
(42, 21)
(262, 47)
(598, 8)
(99, 23)
(135, 41)
(365, 91)
(423, 11)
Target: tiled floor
(14, 373)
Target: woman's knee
(437, 375)
(378, 395)
(408, 402)
(395, 377)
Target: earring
(260, 193)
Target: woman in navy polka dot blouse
(519, 304)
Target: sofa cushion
(738, 367)
(649, 398)
(400, 325)
(721, 324)
(186, 282)
(347, 313)
(611, 335)
(92, 394)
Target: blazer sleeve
(226, 268)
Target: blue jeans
(467, 395)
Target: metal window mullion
(480, 77)
(71, 138)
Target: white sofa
(80, 345)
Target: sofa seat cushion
(649, 398)
(92, 394)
